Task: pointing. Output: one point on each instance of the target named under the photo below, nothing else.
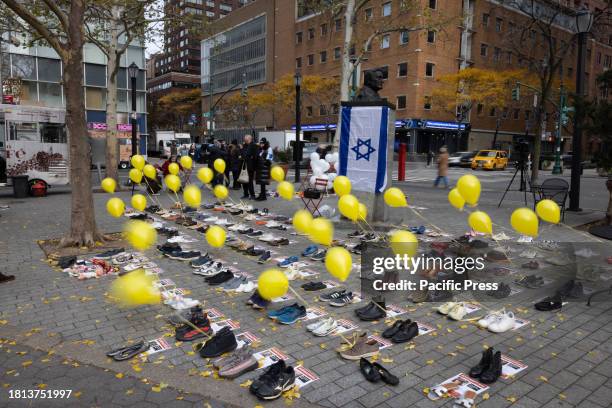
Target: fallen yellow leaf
(486, 396)
(119, 375)
(26, 363)
(246, 384)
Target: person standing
(234, 163)
(442, 168)
(248, 156)
(264, 162)
(430, 157)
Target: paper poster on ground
(304, 376)
(270, 356)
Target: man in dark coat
(249, 159)
(264, 162)
(234, 163)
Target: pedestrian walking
(430, 157)
(234, 163)
(264, 162)
(442, 168)
(248, 156)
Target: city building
(267, 40)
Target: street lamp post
(298, 124)
(557, 169)
(584, 20)
(133, 72)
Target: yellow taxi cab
(490, 160)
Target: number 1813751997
(38, 394)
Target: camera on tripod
(521, 147)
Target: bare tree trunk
(112, 159)
(83, 230)
(347, 66)
(537, 145)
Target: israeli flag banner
(363, 147)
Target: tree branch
(61, 16)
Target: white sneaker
(236, 227)
(247, 287)
(292, 273)
(272, 224)
(186, 303)
(315, 325)
(250, 217)
(503, 323)
(490, 318)
(211, 219)
(223, 221)
(326, 328)
(268, 238)
(180, 239)
(446, 307)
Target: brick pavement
(568, 353)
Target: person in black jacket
(216, 152)
(264, 161)
(234, 163)
(248, 157)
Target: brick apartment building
(268, 39)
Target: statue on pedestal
(372, 83)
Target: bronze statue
(372, 83)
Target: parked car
(455, 158)
(466, 159)
(490, 160)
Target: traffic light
(516, 93)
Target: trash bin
(21, 187)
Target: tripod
(522, 168)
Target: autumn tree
(176, 107)
(245, 110)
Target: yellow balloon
(481, 222)
(549, 211)
(140, 234)
(469, 188)
(394, 197)
(135, 288)
(285, 190)
(349, 207)
(524, 221)
(363, 211)
(192, 195)
(138, 162)
(173, 182)
(135, 175)
(173, 168)
(205, 175)
(219, 165)
(139, 202)
(215, 236)
(404, 243)
(302, 220)
(339, 263)
(220, 191)
(272, 283)
(149, 171)
(186, 162)
(456, 199)
(109, 185)
(342, 185)
(321, 231)
(277, 173)
(115, 207)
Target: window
(570, 72)
(484, 49)
(485, 20)
(50, 94)
(309, 111)
(599, 58)
(511, 27)
(384, 41)
(337, 53)
(369, 47)
(432, 4)
(509, 57)
(498, 24)
(310, 33)
(427, 102)
(323, 56)
(322, 110)
(335, 108)
(403, 37)
(95, 75)
(95, 98)
(401, 102)
(49, 70)
(496, 54)
(298, 38)
(323, 30)
(24, 66)
(402, 69)
(386, 9)
(429, 69)
(479, 109)
(527, 114)
(515, 114)
(310, 59)
(607, 60)
(431, 36)
(52, 132)
(338, 24)
(368, 13)
(505, 113)
(298, 62)
(492, 111)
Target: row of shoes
(498, 321)
(288, 314)
(401, 331)
(339, 298)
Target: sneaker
(274, 314)
(311, 250)
(169, 247)
(313, 286)
(220, 278)
(209, 269)
(490, 318)
(201, 261)
(254, 251)
(502, 323)
(359, 248)
(255, 234)
(247, 230)
(346, 299)
(363, 347)
(180, 239)
(276, 380)
(503, 291)
(288, 261)
(319, 255)
(184, 255)
(233, 284)
(257, 302)
(243, 362)
(189, 333)
(264, 257)
(292, 273)
(110, 253)
(328, 297)
(246, 287)
(371, 237)
(237, 227)
(222, 342)
(356, 234)
(550, 304)
(326, 328)
(273, 224)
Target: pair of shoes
(550, 303)
(361, 347)
(222, 342)
(375, 310)
(530, 282)
(322, 327)
(264, 257)
(239, 362)
(257, 302)
(288, 314)
(313, 286)
(178, 318)
(199, 327)
(328, 297)
(201, 261)
(345, 299)
(401, 331)
(310, 250)
(288, 261)
(319, 255)
(498, 322)
(489, 369)
(169, 247)
(127, 352)
(220, 278)
(375, 372)
(184, 255)
(277, 379)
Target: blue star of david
(357, 149)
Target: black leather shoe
(369, 305)
(222, 342)
(368, 370)
(493, 371)
(485, 361)
(385, 375)
(406, 332)
(390, 331)
(550, 303)
(376, 311)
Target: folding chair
(312, 197)
(555, 189)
